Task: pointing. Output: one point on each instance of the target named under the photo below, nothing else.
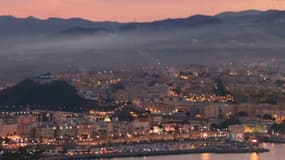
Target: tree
(214, 126)
(118, 86)
(241, 114)
(231, 121)
(268, 117)
(220, 88)
(177, 90)
(278, 128)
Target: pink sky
(129, 10)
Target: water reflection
(253, 156)
(277, 152)
(205, 156)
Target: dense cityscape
(151, 110)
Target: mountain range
(31, 46)
(22, 26)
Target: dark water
(277, 152)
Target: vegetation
(41, 96)
(241, 114)
(118, 86)
(268, 117)
(220, 88)
(225, 124)
(278, 128)
(20, 154)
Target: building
(8, 126)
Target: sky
(129, 10)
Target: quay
(172, 152)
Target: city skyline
(127, 11)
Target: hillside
(57, 95)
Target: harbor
(163, 148)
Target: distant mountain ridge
(31, 25)
(31, 46)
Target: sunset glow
(129, 10)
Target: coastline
(172, 152)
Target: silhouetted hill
(53, 94)
(193, 21)
(12, 26)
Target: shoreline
(172, 152)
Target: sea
(277, 152)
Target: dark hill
(59, 95)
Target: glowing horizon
(129, 10)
